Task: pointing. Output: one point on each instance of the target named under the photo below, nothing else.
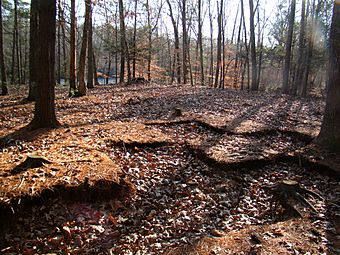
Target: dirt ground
(156, 169)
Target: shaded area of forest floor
(128, 176)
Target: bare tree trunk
(177, 61)
(82, 57)
(4, 90)
(149, 56)
(200, 40)
(254, 84)
(95, 76)
(238, 53)
(329, 136)
(185, 41)
(44, 113)
(211, 69)
(32, 92)
(134, 50)
(64, 43)
(302, 50)
(122, 41)
(90, 54)
(73, 62)
(14, 42)
(219, 44)
(59, 43)
(286, 70)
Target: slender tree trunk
(14, 40)
(122, 41)
(211, 69)
(18, 52)
(329, 136)
(59, 43)
(64, 43)
(219, 44)
(149, 58)
(32, 92)
(44, 113)
(4, 90)
(254, 84)
(302, 50)
(177, 60)
(95, 76)
(134, 50)
(82, 57)
(184, 42)
(90, 54)
(238, 53)
(200, 40)
(246, 64)
(287, 65)
(73, 69)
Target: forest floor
(155, 169)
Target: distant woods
(222, 44)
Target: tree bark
(329, 136)
(4, 90)
(73, 69)
(82, 58)
(286, 70)
(44, 114)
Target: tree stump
(177, 112)
(288, 190)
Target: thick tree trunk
(73, 69)
(286, 70)
(82, 57)
(329, 136)
(4, 90)
(44, 114)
